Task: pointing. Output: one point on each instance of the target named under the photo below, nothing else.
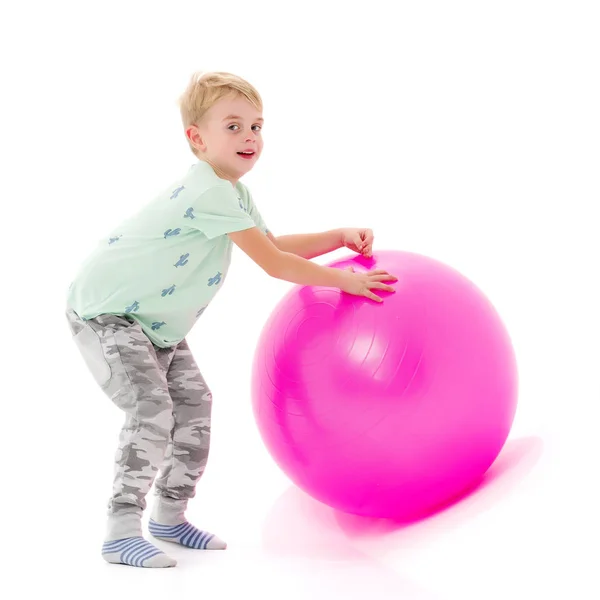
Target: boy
(139, 294)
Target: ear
(195, 138)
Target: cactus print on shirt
(165, 264)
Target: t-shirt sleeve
(217, 212)
(256, 216)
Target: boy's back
(163, 265)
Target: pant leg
(125, 364)
(187, 454)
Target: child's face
(229, 127)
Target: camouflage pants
(167, 407)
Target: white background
(467, 131)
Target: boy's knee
(157, 420)
(162, 423)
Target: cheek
(226, 146)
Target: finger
(368, 237)
(351, 269)
(381, 278)
(378, 272)
(381, 286)
(372, 296)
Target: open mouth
(246, 155)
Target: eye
(236, 125)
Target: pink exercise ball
(389, 409)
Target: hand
(358, 240)
(361, 284)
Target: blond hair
(207, 88)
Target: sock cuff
(169, 511)
(123, 526)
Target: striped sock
(136, 552)
(186, 535)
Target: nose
(251, 136)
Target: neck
(221, 173)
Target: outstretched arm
(309, 245)
(295, 269)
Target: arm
(281, 264)
(295, 269)
(309, 245)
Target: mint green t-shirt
(164, 265)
